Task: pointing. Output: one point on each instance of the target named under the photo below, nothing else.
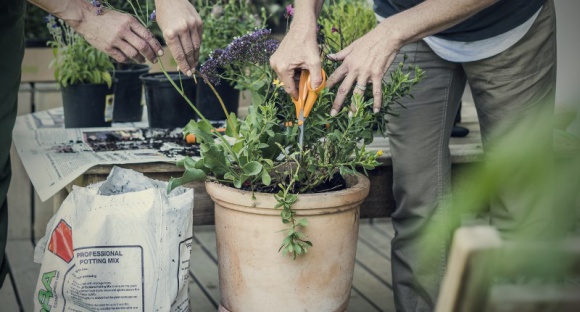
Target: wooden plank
(375, 263)
(8, 296)
(198, 301)
(534, 298)
(372, 289)
(205, 272)
(371, 236)
(357, 303)
(35, 65)
(466, 282)
(20, 255)
(19, 212)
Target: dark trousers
(11, 53)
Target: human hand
(298, 50)
(182, 29)
(119, 35)
(365, 60)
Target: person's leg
(515, 86)
(12, 43)
(459, 131)
(419, 140)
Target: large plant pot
(255, 277)
(166, 108)
(88, 105)
(128, 92)
(208, 103)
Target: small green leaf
(266, 179)
(189, 175)
(252, 168)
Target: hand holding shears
(306, 98)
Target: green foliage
(75, 60)
(223, 20)
(261, 153)
(344, 21)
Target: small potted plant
(223, 21)
(275, 196)
(166, 104)
(84, 76)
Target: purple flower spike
(153, 16)
(253, 48)
(289, 10)
(334, 29)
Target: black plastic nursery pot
(208, 103)
(128, 92)
(166, 108)
(88, 105)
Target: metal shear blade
(306, 99)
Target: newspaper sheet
(54, 156)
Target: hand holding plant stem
(119, 35)
(182, 29)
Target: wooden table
(379, 203)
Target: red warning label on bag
(61, 243)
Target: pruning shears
(306, 98)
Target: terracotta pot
(255, 277)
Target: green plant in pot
(84, 76)
(223, 21)
(274, 196)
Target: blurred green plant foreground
(533, 168)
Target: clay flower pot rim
(351, 197)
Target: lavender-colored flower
(335, 30)
(97, 4)
(53, 27)
(253, 48)
(289, 11)
(153, 16)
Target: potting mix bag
(123, 244)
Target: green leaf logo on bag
(44, 295)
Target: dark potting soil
(170, 142)
(336, 183)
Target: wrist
(394, 35)
(74, 12)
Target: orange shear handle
(306, 95)
(313, 93)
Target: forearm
(306, 12)
(71, 11)
(430, 17)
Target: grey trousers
(517, 82)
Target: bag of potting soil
(119, 245)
